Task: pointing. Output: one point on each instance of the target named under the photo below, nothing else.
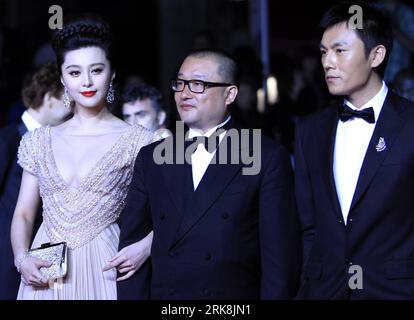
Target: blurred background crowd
(152, 38)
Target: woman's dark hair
(81, 31)
(45, 79)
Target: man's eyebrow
(339, 44)
(196, 76)
(335, 45)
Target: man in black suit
(220, 230)
(42, 93)
(355, 169)
(10, 176)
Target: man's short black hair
(376, 26)
(228, 68)
(142, 91)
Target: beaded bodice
(77, 215)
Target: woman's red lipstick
(88, 93)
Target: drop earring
(66, 99)
(111, 93)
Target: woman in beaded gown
(81, 169)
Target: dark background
(153, 36)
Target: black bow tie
(346, 113)
(211, 143)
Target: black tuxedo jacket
(236, 237)
(10, 178)
(379, 233)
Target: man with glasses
(218, 233)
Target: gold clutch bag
(55, 253)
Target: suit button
(171, 291)
(350, 220)
(340, 221)
(225, 215)
(208, 256)
(162, 216)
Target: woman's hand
(131, 258)
(29, 270)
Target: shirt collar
(30, 122)
(376, 102)
(195, 133)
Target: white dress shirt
(29, 121)
(351, 143)
(201, 158)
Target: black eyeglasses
(196, 86)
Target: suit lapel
(215, 180)
(326, 141)
(177, 178)
(387, 128)
(178, 182)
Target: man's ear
(231, 94)
(377, 55)
(161, 115)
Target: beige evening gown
(85, 216)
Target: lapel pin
(381, 146)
